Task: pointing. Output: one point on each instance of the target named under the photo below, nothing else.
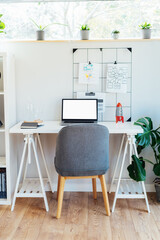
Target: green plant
(85, 27)
(145, 25)
(2, 25)
(42, 28)
(149, 137)
(115, 31)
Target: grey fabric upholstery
(82, 150)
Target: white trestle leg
(39, 190)
(118, 159)
(130, 193)
(20, 172)
(44, 160)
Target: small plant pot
(84, 34)
(115, 35)
(146, 33)
(40, 35)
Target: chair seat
(79, 172)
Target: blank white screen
(80, 109)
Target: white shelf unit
(8, 118)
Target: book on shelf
(3, 187)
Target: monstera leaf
(143, 139)
(137, 169)
(148, 137)
(156, 169)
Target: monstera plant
(149, 137)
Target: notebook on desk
(29, 125)
(79, 111)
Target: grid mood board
(103, 57)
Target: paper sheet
(89, 73)
(117, 77)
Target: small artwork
(89, 73)
(117, 78)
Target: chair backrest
(82, 150)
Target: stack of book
(31, 125)
(3, 187)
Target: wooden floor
(82, 219)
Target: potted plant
(149, 137)
(84, 32)
(146, 30)
(40, 32)
(2, 25)
(115, 34)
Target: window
(101, 16)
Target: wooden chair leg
(105, 195)
(58, 185)
(60, 196)
(94, 188)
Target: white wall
(44, 77)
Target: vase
(84, 34)
(40, 35)
(146, 33)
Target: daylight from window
(102, 17)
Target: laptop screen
(79, 110)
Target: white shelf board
(1, 92)
(31, 187)
(2, 162)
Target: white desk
(128, 131)
(55, 127)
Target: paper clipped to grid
(89, 73)
(117, 78)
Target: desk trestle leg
(29, 141)
(118, 159)
(19, 174)
(130, 142)
(44, 161)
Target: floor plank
(83, 218)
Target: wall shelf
(8, 118)
(81, 41)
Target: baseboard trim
(87, 187)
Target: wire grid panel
(104, 56)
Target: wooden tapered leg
(58, 185)
(94, 188)
(60, 196)
(105, 195)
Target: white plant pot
(84, 34)
(146, 33)
(115, 35)
(40, 35)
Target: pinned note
(89, 73)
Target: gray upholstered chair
(82, 151)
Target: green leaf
(156, 169)
(2, 25)
(136, 169)
(149, 136)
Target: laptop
(79, 111)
